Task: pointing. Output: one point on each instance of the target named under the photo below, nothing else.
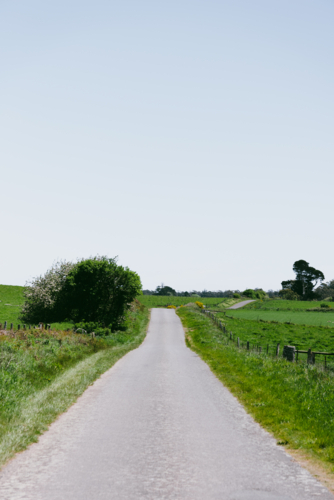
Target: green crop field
(11, 302)
(164, 301)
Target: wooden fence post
(289, 352)
(230, 335)
(5, 326)
(310, 357)
(238, 342)
(247, 345)
(11, 326)
(19, 327)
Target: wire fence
(290, 353)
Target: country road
(158, 425)
(241, 304)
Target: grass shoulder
(294, 402)
(43, 373)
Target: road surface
(157, 426)
(241, 304)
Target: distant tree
(325, 290)
(258, 293)
(307, 278)
(164, 290)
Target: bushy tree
(307, 278)
(41, 294)
(93, 290)
(99, 290)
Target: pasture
(166, 300)
(286, 316)
(286, 305)
(11, 302)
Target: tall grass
(295, 402)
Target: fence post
(230, 335)
(24, 327)
(19, 327)
(238, 342)
(277, 350)
(247, 345)
(224, 330)
(5, 326)
(11, 326)
(310, 357)
(29, 327)
(289, 352)
(260, 349)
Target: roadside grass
(283, 316)
(294, 402)
(165, 300)
(11, 302)
(43, 373)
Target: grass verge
(293, 402)
(36, 391)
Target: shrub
(171, 307)
(288, 294)
(41, 294)
(325, 306)
(236, 295)
(93, 290)
(199, 304)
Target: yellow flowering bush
(171, 307)
(200, 304)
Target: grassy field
(43, 373)
(263, 333)
(295, 402)
(11, 302)
(286, 305)
(283, 316)
(164, 301)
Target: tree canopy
(307, 278)
(94, 290)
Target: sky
(192, 139)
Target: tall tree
(307, 278)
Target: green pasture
(317, 338)
(166, 300)
(297, 317)
(286, 305)
(11, 302)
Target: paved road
(241, 304)
(157, 426)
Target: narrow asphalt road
(241, 304)
(158, 425)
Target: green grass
(295, 402)
(285, 305)
(263, 333)
(164, 301)
(11, 302)
(43, 373)
(299, 318)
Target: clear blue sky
(193, 139)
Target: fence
(290, 353)
(41, 326)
